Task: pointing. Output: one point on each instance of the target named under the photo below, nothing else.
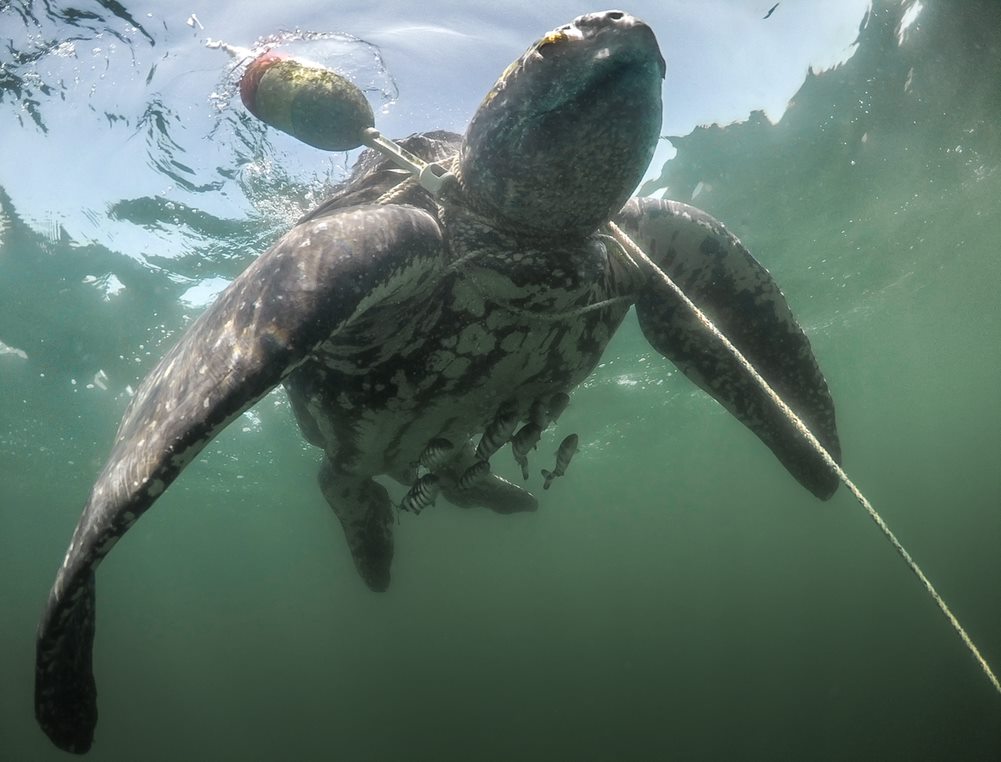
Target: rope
(410, 181)
(398, 190)
(632, 256)
(631, 248)
(545, 316)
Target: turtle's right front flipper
(741, 298)
(315, 281)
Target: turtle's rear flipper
(490, 491)
(365, 513)
(717, 273)
(493, 492)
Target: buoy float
(325, 110)
(315, 105)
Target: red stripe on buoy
(252, 78)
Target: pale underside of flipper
(318, 278)
(717, 273)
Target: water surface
(678, 596)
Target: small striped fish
(557, 404)
(436, 454)
(474, 474)
(421, 495)
(565, 452)
(538, 414)
(522, 442)
(498, 433)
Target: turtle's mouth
(574, 65)
(640, 58)
(636, 45)
(606, 75)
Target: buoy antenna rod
(431, 176)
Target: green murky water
(678, 596)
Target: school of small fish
(503, 429)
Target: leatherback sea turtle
(402, 331)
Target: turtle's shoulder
(374, 174)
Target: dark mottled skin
(740, 297)
(392, 325)
(385, 387)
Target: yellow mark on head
(551, 38)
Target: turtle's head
(567, 132)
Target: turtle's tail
(65, 692)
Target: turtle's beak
(565, 135)
(616, 34)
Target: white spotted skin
(442, 365)
(391, 326)
(395, 324)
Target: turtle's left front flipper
(313, 283)
(717, 273)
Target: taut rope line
(355, 126)
(634, 250)
(633, 256)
